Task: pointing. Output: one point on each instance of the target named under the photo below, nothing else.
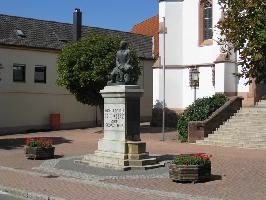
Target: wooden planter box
(193, 173)
(39, 153)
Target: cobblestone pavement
(237, 173)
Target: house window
(205, 22)
(40, 74)
(19, 73)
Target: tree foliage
(244, 28)
(84, 67)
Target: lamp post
(194, 80)
(163, 117)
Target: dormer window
(205, 22)
(20, 33)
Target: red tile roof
(149, 27)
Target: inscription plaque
(114, 116)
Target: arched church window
(205, 22)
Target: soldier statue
(121, 73)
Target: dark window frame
(205, 23)
(15, 79)
(207, 20)
(45, 70)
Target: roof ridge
(83, 26)
(118, 31)
(30, 18)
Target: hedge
(200, 110)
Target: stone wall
(197, 130)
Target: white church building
(188, 39)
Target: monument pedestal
(121, 147)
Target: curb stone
(27, 195)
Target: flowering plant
(192, 159)
(44, 143)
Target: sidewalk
(237, 173)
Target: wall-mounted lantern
(194, 79)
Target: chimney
(77, 17)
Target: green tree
(243, 28)
(84, 67)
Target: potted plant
(190, 167)
(39, 148)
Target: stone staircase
(246, 129)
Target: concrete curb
(26, 194)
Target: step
(236, 143)
(252, 109)
(246, 123)
(250, 120)
(224, 144)
(242, 129)
(237, 134)
(245, 129)
(232, 143)
(255, 127)
(259, 147)
(234, 136)
(237, 140)
(250, 114)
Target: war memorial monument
(121, 147)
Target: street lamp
(194, 79)
(163, 30)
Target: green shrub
(200, 110)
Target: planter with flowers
(190, 167)
(39, 148)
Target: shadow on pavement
(146, 128)
(13, 143)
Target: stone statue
(121, 73)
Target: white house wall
(173, 13)
(183, 49)
(219, 78)
(242, 87)
(231, 81)
(205, 86)
(28, 105)
(192, 52)
(178, 93)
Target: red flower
(50, 141)
(39, 142)
(199, 155)
(205, 158)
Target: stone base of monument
(135, 158)
(121, 147)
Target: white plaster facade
(183, 50)
(28, 105)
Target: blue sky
(111, 14)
